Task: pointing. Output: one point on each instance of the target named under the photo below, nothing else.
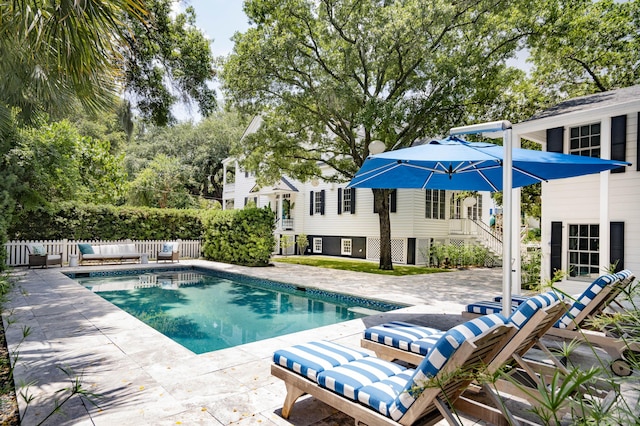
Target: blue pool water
(206, 311)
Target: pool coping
(146, 378)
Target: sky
(220, 19)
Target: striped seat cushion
(347, 379)
(381, 395)
(309, 359)
(437, 358)
(584, 299)
(486, 307)
(515, 300)
(403, 335)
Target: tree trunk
(381, 204)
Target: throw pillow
(167, 247)
(85, 248)
(38, 249)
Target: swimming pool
(206, 311)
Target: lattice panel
(397, 250)
(457, 243)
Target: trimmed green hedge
(244, 237)
(90, 222)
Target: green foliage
(91, 222)
(303, 242)
(242, 237)
(200, 149)
(451, 255)
(582, 47)
(56, 52)
(53, 163)
(161, 184)
(530, 268)
(169, 60)
(286, 242)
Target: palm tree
(56, 52)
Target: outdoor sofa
(108, 252)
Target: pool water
(206, 312)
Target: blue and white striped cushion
(382, 394)
(402, 335)
(309, 359)
(348, 378)
(531, 305)
(584, 299)
(515, 300)
(485, 307)
(625, 274)
(439, 355)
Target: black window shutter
(245, 200)
(619, 140)
(392, 202)
(322, 201)
(255, 200)
(555, 139)
(616, 248)
(311, 198)
(340, 200)
(353, 200)
(556, 247)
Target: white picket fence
(18, 255)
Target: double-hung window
(435, 204)
(584, 251)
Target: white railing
(17, 254)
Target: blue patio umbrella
(455, 164)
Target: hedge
(104, 222)
(244, 237)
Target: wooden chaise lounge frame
(432, 403)
(520, 343)
(579, 328)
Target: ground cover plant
(357, 265)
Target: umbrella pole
(507, 206)
(507, 213)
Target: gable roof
(589, 102)
(283, 185)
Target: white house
(342, 222)
(592, 221)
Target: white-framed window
(317, 245)
(434, 203)
(319, 202)
(584, 250)
(345, 246)
(346, 199)
(585, 140)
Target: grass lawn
(356, 265)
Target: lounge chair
(379, 392)
(38, 256)
(575, 323)
(170, 251)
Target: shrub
(243, 237)
(104, 222)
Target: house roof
(283, 185)
(589, 102)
